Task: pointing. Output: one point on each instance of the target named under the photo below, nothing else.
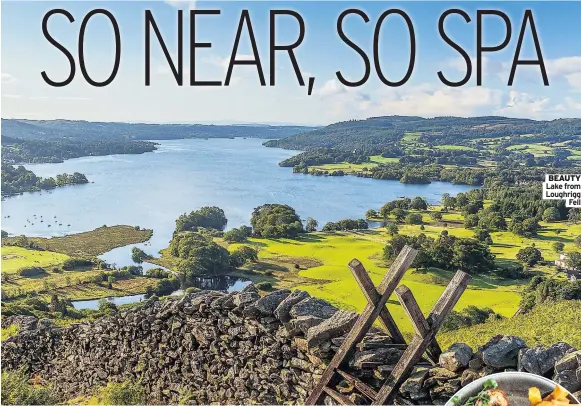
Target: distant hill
(375, 133)
(102, 131)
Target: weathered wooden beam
(359, 385)
(421, 326)
(373, 297)
(365, 319)
(419, 344)
(342, 399)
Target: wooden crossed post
(425, 329)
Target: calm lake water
(151, 190)
(224, 283)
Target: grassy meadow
(94, 242)
(74, 284)
(333, 281)
(536, 327)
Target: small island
(16, 180)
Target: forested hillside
(376, 133)
(419, 150)
(58, 129)
(19, 151)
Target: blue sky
(26, 53)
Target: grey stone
(569, 380)
(570, 362)
(568, 371)
(336, 325)
(502, 351)
(245, 298)
(456, 357)
(302, 324)
(312, 307)
(413, 387)
(439, 376)
(540, 360)
(282, 312)
(378, 355)
(266, 305)
(468, 376)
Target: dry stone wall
(240, 348)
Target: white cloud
(424, 100)
(331, 87)
(490, 68)
(428, 101)
(189, 4)
(573, 104)
(568, 68)
(521, 104)
(7, 78)
(11, 96)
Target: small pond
(225, 283)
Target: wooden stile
(425, 329)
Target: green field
(334, 282)
(535, 149)
(14, 258)
(75, 284)
(350, 168)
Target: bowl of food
(512, 389)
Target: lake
(151, 190)
(225, 283)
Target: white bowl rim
(478, 382)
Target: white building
(572, 273)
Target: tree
(371, 214)
(558, 246)
(578, 241)
(392, 229)
(419, 203)
(4, 234)
(574, 216)
(242, 255)
(399, 214)
(436, 215)
(207, 256)
(207, 217)
(471, 220)
(483, 235)
(491, 220)
(472, 256)
(276, 221)
(448, 202)
(461, 200)
(138, 255)
(110, 282)
(529, 256)
(235, 235)
(394, 246)
(413, 218)
(526, 228)
(386, 209)
(312, 225)
(551, 214)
